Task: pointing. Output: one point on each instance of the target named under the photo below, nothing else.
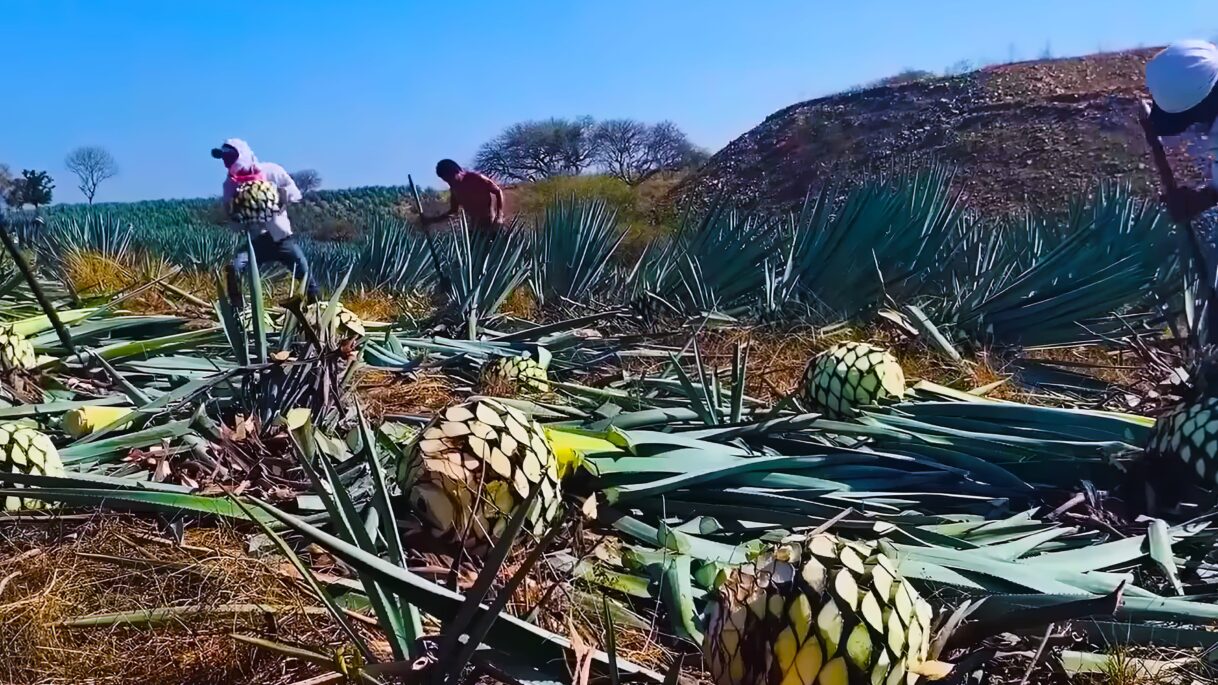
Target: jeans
(286, 252)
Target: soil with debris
(105, 600)
(1028, 133)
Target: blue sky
(367, 91)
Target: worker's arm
(1185, 204)
(497, 204)
(288, 192)
(226, 197)
(453, 206)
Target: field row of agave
(799, 542)
(1105, 268)
(318, 214)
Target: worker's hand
(1186, 204)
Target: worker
(1183, 84)
(478, 196)
(273, 241)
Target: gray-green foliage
(903, 238)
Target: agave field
(595, 495)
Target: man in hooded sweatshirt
(1183, 83)
(272, 239)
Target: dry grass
(777, 360)
(54, 573)
(372, 305)
(553, 601)
(94, 275)
(385, 393)
(521, 303)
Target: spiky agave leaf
(1107, 258)
(484, 267)
(101, 233)
(574, 245)
(713, 263)
(888, 237)
(390, 256)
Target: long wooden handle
(418, 204)
(1200, 255)
(431, 242)
(1167, 179)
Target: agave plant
(1067, 284)
(809, 538)
(573, 249)
(391, 256)
(98, 233)
(484, 268)
(886, 238)
(713, 263)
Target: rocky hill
(1018, 134)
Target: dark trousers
(267, 251)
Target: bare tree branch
(307, 180)
(92, 165)
(533, 150)
(634, 151)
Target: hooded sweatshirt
(1180, 78)
(247, 168)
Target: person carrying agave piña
(256, 197)
(1183, 84)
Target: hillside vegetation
(1017, 134)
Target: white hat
(1182, 75)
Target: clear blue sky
(366, 91)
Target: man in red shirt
(479, 196)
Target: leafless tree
(307, 180)
(92, 165)
(634, 151)
(533, 150)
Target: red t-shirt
(472, 192)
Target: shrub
(335, 230)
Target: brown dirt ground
(56, 570)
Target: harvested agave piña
(473, 465)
